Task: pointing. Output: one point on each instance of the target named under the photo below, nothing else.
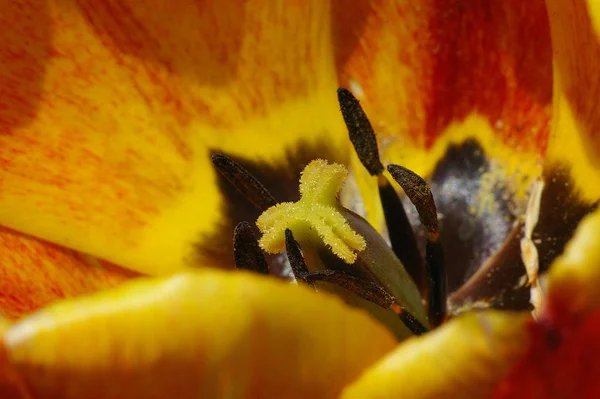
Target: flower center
(317, 212)
(481, 246)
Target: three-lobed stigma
(317, 212)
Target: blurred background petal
(464, 358)
(204, 334)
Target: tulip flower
(439, 214)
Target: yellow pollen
(318, 211)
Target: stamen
(419, 193)
(317, 212)
(411, 321)
(366, 289)
(363, 139)
(436, 278)
(402, 237)
(246, 252)
(370, 291)
(296, 259)
(244, 182)
(361, 132)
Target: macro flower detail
(470, 199)
(318, 210)
(373, 274)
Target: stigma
(317, 214)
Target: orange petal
(466, 357)
(110, 108)
(576, 120)
(34, 273)
(433, 73)
(204, 334)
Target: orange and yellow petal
(196, 334)
(110, 109)
(421, 66)
(576, 120)
(466, 357)
(34, 273)
(435, 73)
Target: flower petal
(436, 73)
(576, 120)
(574, 277)
(421, 66)
(11, 386)
(203, 334)
(594, 11)
(114, 106)
(557, 366)
(466, 357)
(564, 351)
(34, 273)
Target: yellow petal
(204, 334)
(574, 277)
(594, 12)
(465, 358)
(109, 110)
(34, 273)
(576, 120)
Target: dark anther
(418, 192)
(361, 132)
(412, 323)
(400, 232)
(366, 289)
(244, 182)
(246, 252)
(295, 257)
(363, 139)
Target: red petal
(560, 364)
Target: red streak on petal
(24, 50)
(493, 58)
(466, 56)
